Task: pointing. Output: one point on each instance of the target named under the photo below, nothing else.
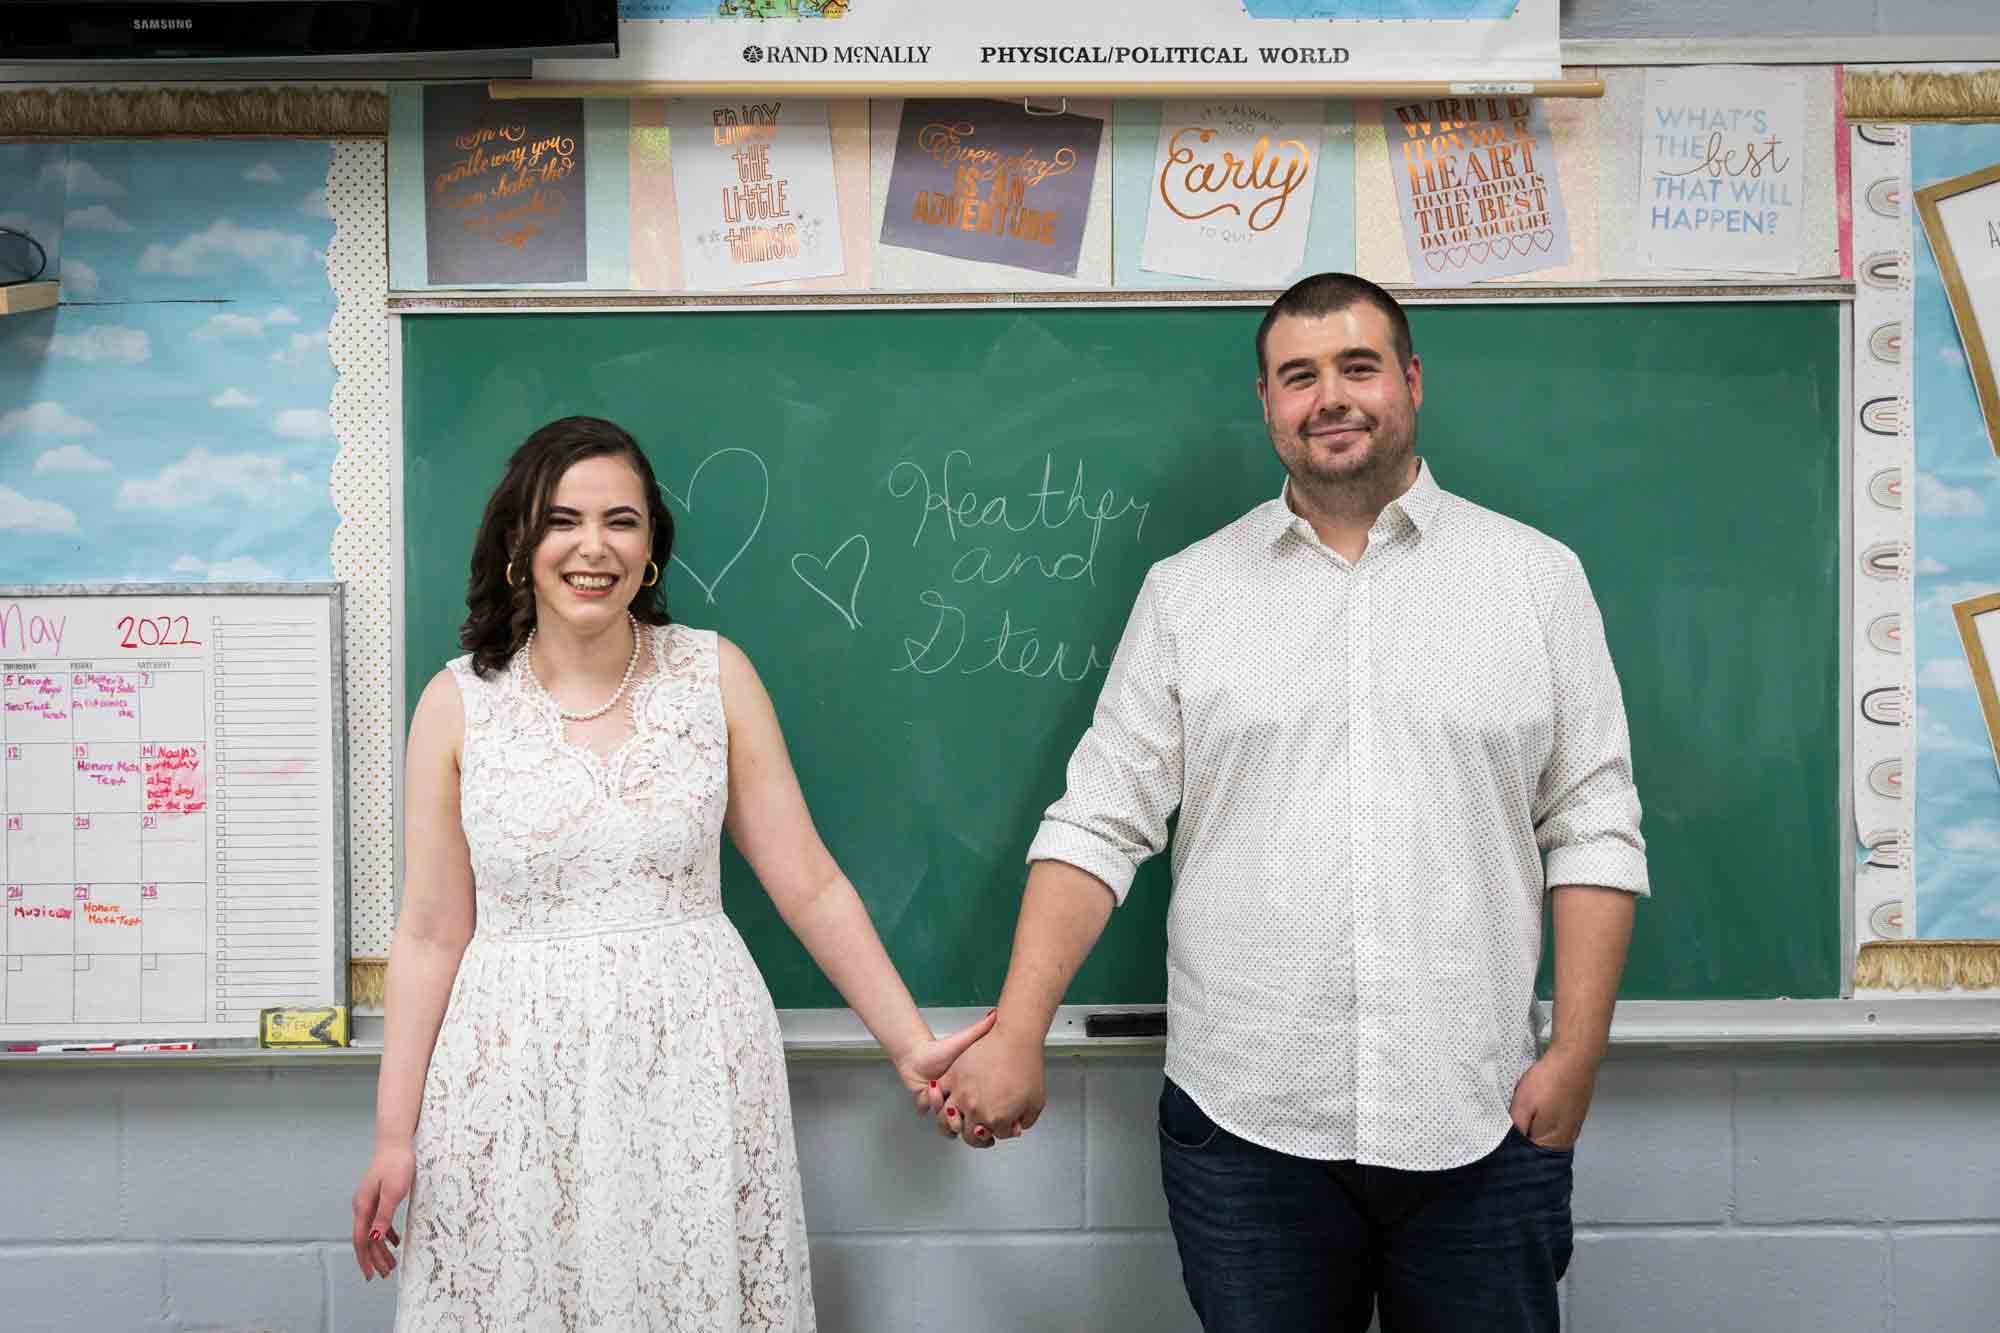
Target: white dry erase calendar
(173, 802)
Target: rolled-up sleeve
(1586, 805)
(1124, 779)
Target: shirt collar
(1419, 505)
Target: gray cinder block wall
(1843, 1190)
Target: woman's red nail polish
(933, 1085)
(375, 1233)
(980, 1131)
(951, 1111)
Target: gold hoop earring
(510, 573)
(647, 583)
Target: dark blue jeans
(1277, 1244)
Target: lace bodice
(567, 841)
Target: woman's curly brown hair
(498, 617)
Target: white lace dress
(606, 1140)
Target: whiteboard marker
(77, 1046)
(159, 1046)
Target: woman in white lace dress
(583, 1088)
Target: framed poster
(1961, 217)
(1979, 630)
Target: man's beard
(1378, 479)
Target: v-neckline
(551, 711)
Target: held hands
(382, 1190)
(1553, 1097)
(994, 1091)
(926, 1063)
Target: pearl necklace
(631, 663)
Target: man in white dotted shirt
(1391, 726)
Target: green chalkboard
(926, 527)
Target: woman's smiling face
(592, 559)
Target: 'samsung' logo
(163, 25)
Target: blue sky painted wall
(169, 421)
(1958, 556)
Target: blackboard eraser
(1150, 1024)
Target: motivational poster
(1476, 181)
(1232, 189)
(1721, 171)
(992, 181)
(754, 186)
(732, 9)
(503, 196)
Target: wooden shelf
(21, 297)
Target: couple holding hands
(1392, 730)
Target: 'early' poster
(1232, 192)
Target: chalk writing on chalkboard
(822, 569)
(504, 198)
(1051, 533)
(684, 501)
(1043, 535)
(1054, 506)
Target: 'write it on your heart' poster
(1476, 182)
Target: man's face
(1340, 410)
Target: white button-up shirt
(1371, 762)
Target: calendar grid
(169, 839)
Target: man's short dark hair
(1329, 293)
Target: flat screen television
(267, 31)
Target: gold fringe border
(1921, 96)
(1931, 965)
(164, 113)
(367, 981)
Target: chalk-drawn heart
(1455, 256)
(1543, 239)
(848, 612)
(686, 503)
(1436, 260)
(1517, 244)
(1480, 250)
